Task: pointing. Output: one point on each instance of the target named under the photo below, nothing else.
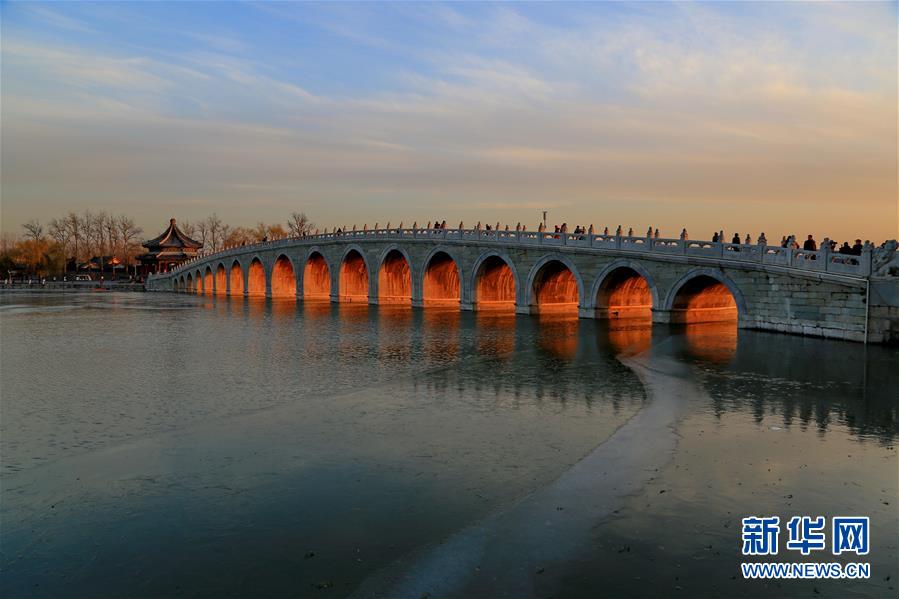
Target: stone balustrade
(820, 261)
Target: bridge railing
(821, 260)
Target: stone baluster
(866, 258)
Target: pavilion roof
(172, 237)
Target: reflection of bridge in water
(595, 276)
(739, 372)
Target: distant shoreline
(71, 287)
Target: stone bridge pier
(668, 281)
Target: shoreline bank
(70, 287)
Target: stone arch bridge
(820, 293)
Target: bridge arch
(283, 277)
(354, 277)
(221, 280)
(554, 285)
(624, 289)
(394, 276)
(190, 283)
(704, 295)
(441, 277)
(235, 279)
(208, 282)
(494, 282)
(256, 277)
(316, 281)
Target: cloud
(56, 19)
(81, 69)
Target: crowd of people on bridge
(810, 245)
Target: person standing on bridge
(715, 237)
(810, 245)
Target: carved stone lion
(885, 260)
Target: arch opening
(494, 287)
(624, 293)
(284, 281)
(190, 283)
(441, 282)
(256, 278)
(395, 279)
(221, 280)
(316, 278)
(198, 283)
(236, 279)
(703, 299)
(207, 281)
(353, 278)
(555, 289)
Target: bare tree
(111, 229)
(75, 231)
(128, 234)
(59, 232)
(34, 230)
(240, 236)
(214, 232)
(189, 229)
(203, 234)
(298, 224)
(224, 238)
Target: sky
(774, 117)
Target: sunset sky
(775, 117)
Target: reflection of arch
(235, 279)
(283, 278)
(316, 276)
(190, 283)
(207, 281)
(554, 283)
(441, 278)
(494, 281)
(394, 276)
(623, 289)
(705, 295)
(353, 282)
(221, 280)
(256, 278)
